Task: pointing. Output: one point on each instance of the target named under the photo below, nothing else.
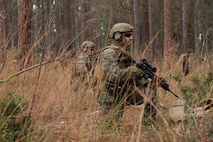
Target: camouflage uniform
(84, 61)
(116, 76)
(83, 65)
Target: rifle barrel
(173, 93)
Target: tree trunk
(24, 23)
(167, 34)
(111, 14)
(77, 28)
(151, 34)
(137, 29)
(111, 21)
(57, 24)
(67, 21)
(145, 24)
(48, 40)
(85, 16)
(188, 32)
(190, 14)
(3, 17)
(185, 38)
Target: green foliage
(193, 125)
(177, 76)
(12, 124)
(201, 87)
(209, 129)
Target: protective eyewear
(92, 49)
(127, 35)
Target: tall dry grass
(61, 113)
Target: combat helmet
(117, 29)
(87, 44)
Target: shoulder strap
(100, 51)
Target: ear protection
(117, 36)
(85, 48)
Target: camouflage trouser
(113, 107)
(149, 111)
(110, 108)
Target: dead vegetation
(60, 113)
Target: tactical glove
(135, 70)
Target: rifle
(149, 73)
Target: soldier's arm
(113, 72)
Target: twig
(43, 63)
(37, 80)
(148, 100)
(27, 69)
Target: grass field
(40, 104)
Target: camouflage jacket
(83, 64)
(113, 66)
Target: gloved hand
(136, 71)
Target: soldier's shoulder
(81, 55)
(109, 49)
(109, 53)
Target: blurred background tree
(187, 26)
(3, 33)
